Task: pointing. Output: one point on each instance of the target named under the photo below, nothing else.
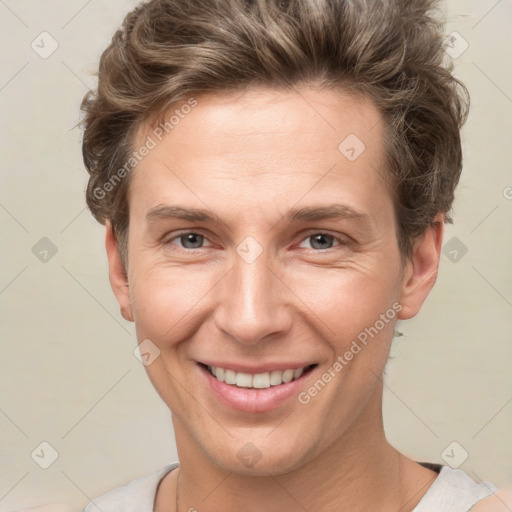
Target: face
(258, 244)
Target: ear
(117, 275)
(420, 272)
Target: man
(274, 178)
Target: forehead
(262, 146)
(325, 116)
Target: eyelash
(341, 241)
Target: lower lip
(250, 399)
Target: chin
(258, 459)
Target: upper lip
(259, 368)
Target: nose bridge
(251, 308)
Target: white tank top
(452, 491)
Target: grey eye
(321, 241)
(194, 239)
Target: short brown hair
(390, 51)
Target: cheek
(166, 304)
(346, 300)
(164, 300)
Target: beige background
(68, 373)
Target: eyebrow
(163, 212)
(304, 214)
(331, 211)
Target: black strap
(430, 465)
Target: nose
(253, 301)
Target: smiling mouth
(259, 380)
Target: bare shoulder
(501, 501)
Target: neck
(360, 471)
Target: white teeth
(258, 380)
(287, 375)
(229, 376)
(298, 372)
(276, 378)
(261, 380)
(244, 380)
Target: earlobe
(117, 275)
(420, 272)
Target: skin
(248, 158)
(499, 502)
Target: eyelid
(343, 240)
(177, 234)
